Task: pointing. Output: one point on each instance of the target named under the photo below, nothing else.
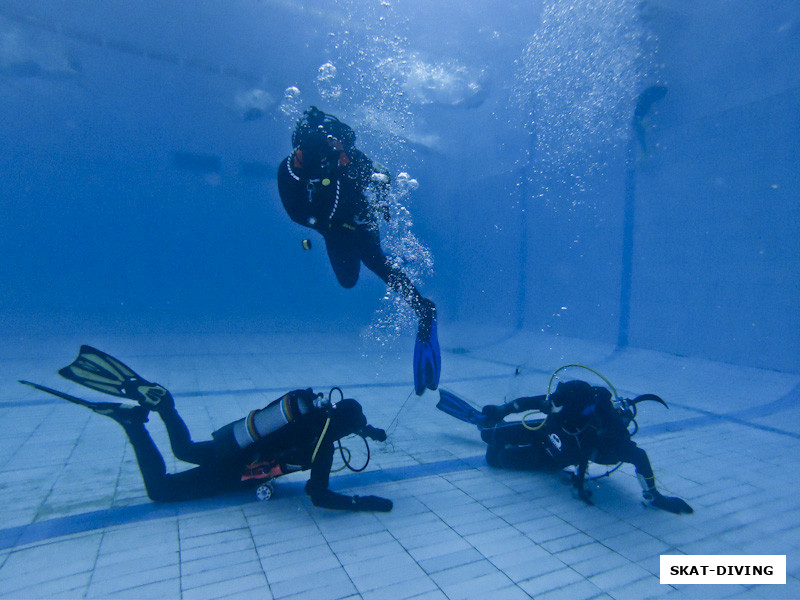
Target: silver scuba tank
(263, 422)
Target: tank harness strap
(267, 469)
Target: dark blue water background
(138, 144)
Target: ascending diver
(325, 184)
(580, 425)
(296, 432)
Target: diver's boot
(334, 501)
(495, 413)
(155, 397)
(123, 414)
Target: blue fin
(460, 409)
(427, 361)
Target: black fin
(648, 397)
(121, 413)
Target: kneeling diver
(296, 432)
(581, 424)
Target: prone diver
(324, 185)
(580, 424)
(294, 433)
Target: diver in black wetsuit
(223, 465)
(329, 185)
(296, 432)
(581, 425)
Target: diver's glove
(368, 431)
(334, 501)
(668, 503)
(585, 495)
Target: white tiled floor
(77, 524)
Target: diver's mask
(320, 155)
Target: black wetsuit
(221, 469)
(586, 427)
(337, 207)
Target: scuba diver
(294, 433)
(581, 424)
(329, 185)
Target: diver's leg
(151, 463)
(369, 246)
(200, 482)
(513, 434)
(512, 446)
(180, 439)
(343, 255)
(522, 458)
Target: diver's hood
(316, 124)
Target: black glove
(579, 481)
(669, 503)
(334, 501)
(379, 435)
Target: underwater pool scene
(393, 299)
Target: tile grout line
(310, 513)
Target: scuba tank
(240, 434)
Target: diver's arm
(527, 403)
(294, 196)
(580, 480)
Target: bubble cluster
(577, 82)
(443, 81)
(370, 49)
(407, 253)
(292, 102)
(327, 84)
(252, 104)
